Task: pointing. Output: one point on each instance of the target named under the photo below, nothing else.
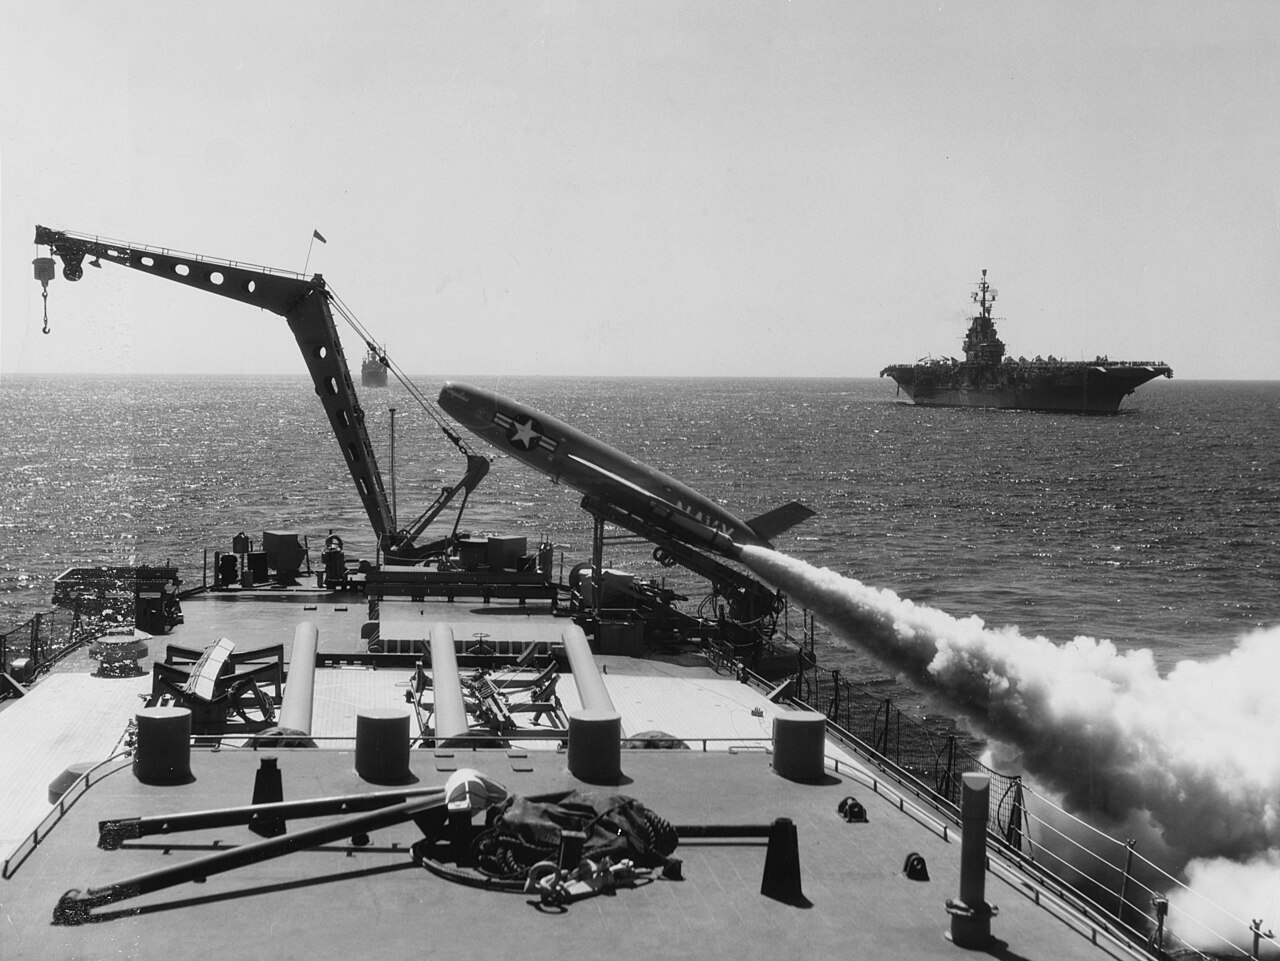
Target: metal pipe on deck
(113, 833)
(450, 710)
(595, 731)
(75, 905)
(299, 690)
(591, 690)
(971, 914)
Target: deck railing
(935, 757)
(1125, 893)
(38, 643)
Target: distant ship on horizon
(373, 370)
(987, 378)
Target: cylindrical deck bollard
(162, 754)
(595, 746)
(799, 740)
(971, 915)
(382, 746)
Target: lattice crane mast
(306, 305)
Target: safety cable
(1181, 920)
(414, 391)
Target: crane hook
(44, 273)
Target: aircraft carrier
(988, 378)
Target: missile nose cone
(452, 394)
(467, 405)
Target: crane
(307, 305)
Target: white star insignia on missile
(525, 433)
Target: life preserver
(333, 543)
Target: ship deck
(73, 716)
(373, 902)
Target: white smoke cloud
(1195, 752)
(1251, 889)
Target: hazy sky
(737, 188)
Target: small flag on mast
(316, 234)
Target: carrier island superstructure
(987, 377)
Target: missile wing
(590, 466)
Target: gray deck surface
(67, 719)
(371, 902)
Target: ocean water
(1158, 528)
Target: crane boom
(302, 302)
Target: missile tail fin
(772, 523)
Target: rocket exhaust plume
(1195, 752)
